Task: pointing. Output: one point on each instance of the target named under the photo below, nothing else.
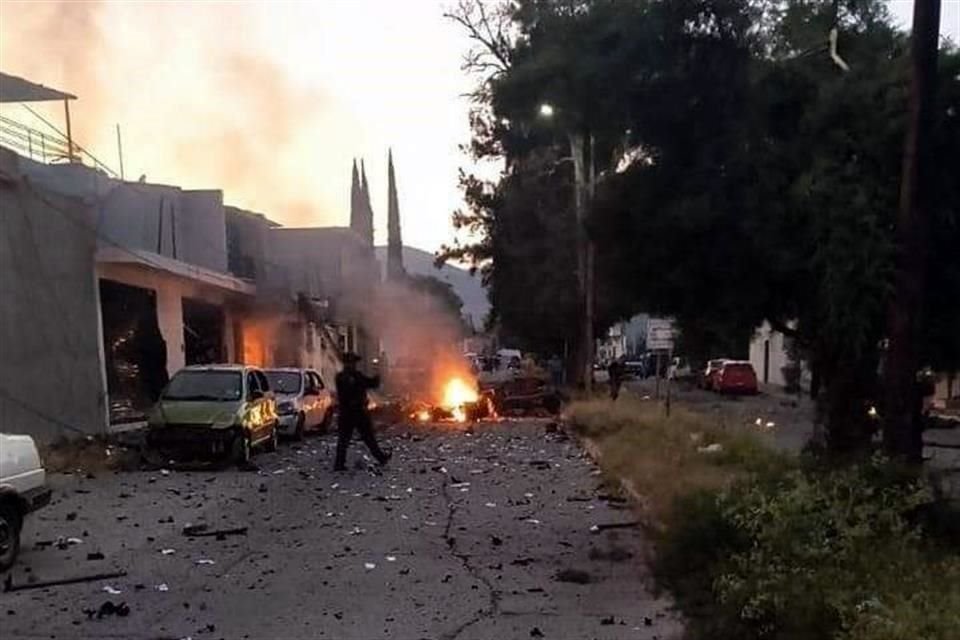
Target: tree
(762, 180)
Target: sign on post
(659, 335)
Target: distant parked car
(23, 489)
(709, 375)
(303, 401)
(736, 377)
(214, 409)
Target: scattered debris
(112, 590)
(9, 586)
(369, 566)
(597, 528)
(536, 633)
(95, 556)
(194, 529)
(495, 541)
(71, 516)
(608, 621)
(574, 576)
(715, 447)
(168, 552)
(63, 543)
(219, 534)
(108, 608)
(162, 587)
(205, 561)
(391, 558)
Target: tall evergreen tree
(395, 270)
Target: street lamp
(546, 110)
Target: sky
(269, 101)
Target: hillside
(469, 288)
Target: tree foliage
(763, 185)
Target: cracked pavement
(461, 537)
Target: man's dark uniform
(352, 386)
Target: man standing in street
(615, 371)
(352, 386)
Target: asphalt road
(463, 536)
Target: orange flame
(456, 394)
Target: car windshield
(205, 385)
(284, 381)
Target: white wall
(778, 355)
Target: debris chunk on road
(9, 586)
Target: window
(283, 381)
(200, 385)
(253, 385)
(262, 381)
(319, 381)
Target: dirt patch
(90, 455)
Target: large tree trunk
(902, 434)
(848, 387)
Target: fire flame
(456, 394)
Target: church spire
(356, 200)
(395, 269)
(367, 221)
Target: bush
(811, 554)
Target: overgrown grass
(760, 545)
(664, 458)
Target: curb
(639, 500)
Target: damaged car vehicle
(303, 401)
(214, 410)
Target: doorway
(135, 353)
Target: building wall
(51, 382)
(778, 355)
(203, 227)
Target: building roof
(17, 89)
(150, 260)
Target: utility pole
(584, 179)
(902, 437)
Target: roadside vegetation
(759, 544)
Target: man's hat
(350, 357)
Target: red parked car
(736, 377)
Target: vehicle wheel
(273, 443)
(241, 448)
(298, 429)
(9, 535)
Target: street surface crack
(493, 606)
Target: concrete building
(769, 355)
(111, 286)
(51, 381)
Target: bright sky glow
(270, 101)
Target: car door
(309, 399)
(259, 405)
(268, 405)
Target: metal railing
(48, 148)
(32, 143)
